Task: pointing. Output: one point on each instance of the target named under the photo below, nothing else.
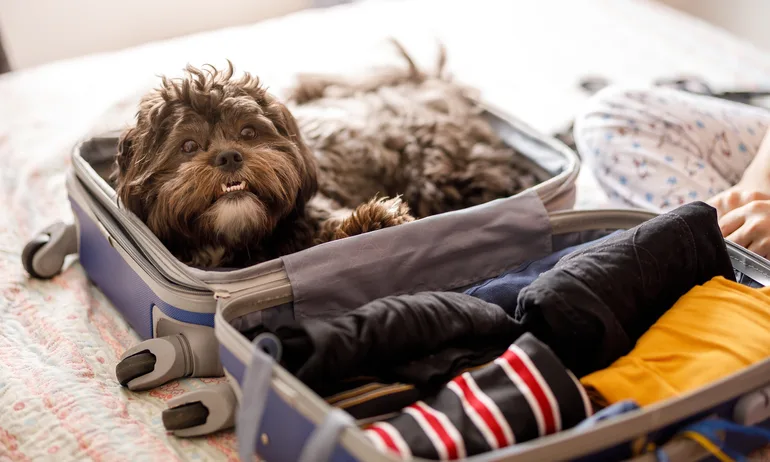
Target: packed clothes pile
(591, 331)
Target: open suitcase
(281, 419)
(172, 305)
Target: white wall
(39, 31)
(749, 19)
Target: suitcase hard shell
(173, 305)
(280, 419)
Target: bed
(60, 339)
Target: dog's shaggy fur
(319, 168)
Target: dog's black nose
(229, 160)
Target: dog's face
(213, 161)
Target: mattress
(60, 339)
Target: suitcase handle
(325, 437)
(257, 380)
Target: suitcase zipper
(273, 286)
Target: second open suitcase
(279, 418)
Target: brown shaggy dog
(226, 175)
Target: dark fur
(422, 139)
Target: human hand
(754, 184)
(749, 226)
(735, 197)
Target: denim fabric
(609, 412)
(504, 289)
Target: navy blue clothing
(615, 410)
(504, 289)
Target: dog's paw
(396, 210)
(375, 214)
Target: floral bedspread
(61, 339)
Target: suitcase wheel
(201, 412)
(153, 362)
(185, 416)
(29, 252)
(159, 360)
(134, 366)
(43, 256)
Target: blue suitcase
(172, 305)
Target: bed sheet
(60, 339)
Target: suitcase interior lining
(617, 424)
(284, 312)
(99, 152)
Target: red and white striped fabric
(524, 394)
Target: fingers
(741, 237)
(749, 227)
(727, 201)
(751, 196)
(734, 198)
(721, 201)
(761, 248)
(732, 221)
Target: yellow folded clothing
(711, 332)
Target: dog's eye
(248, 133)
(189, 146)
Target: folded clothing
(714, 330)
(596, 302)
(504, 289)
(422, 340)
(524, 394)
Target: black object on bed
(4, 66)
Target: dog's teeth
(230, 187)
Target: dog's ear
(125, 151)
(122, 173)
(306, 160)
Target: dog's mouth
(233, 186)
